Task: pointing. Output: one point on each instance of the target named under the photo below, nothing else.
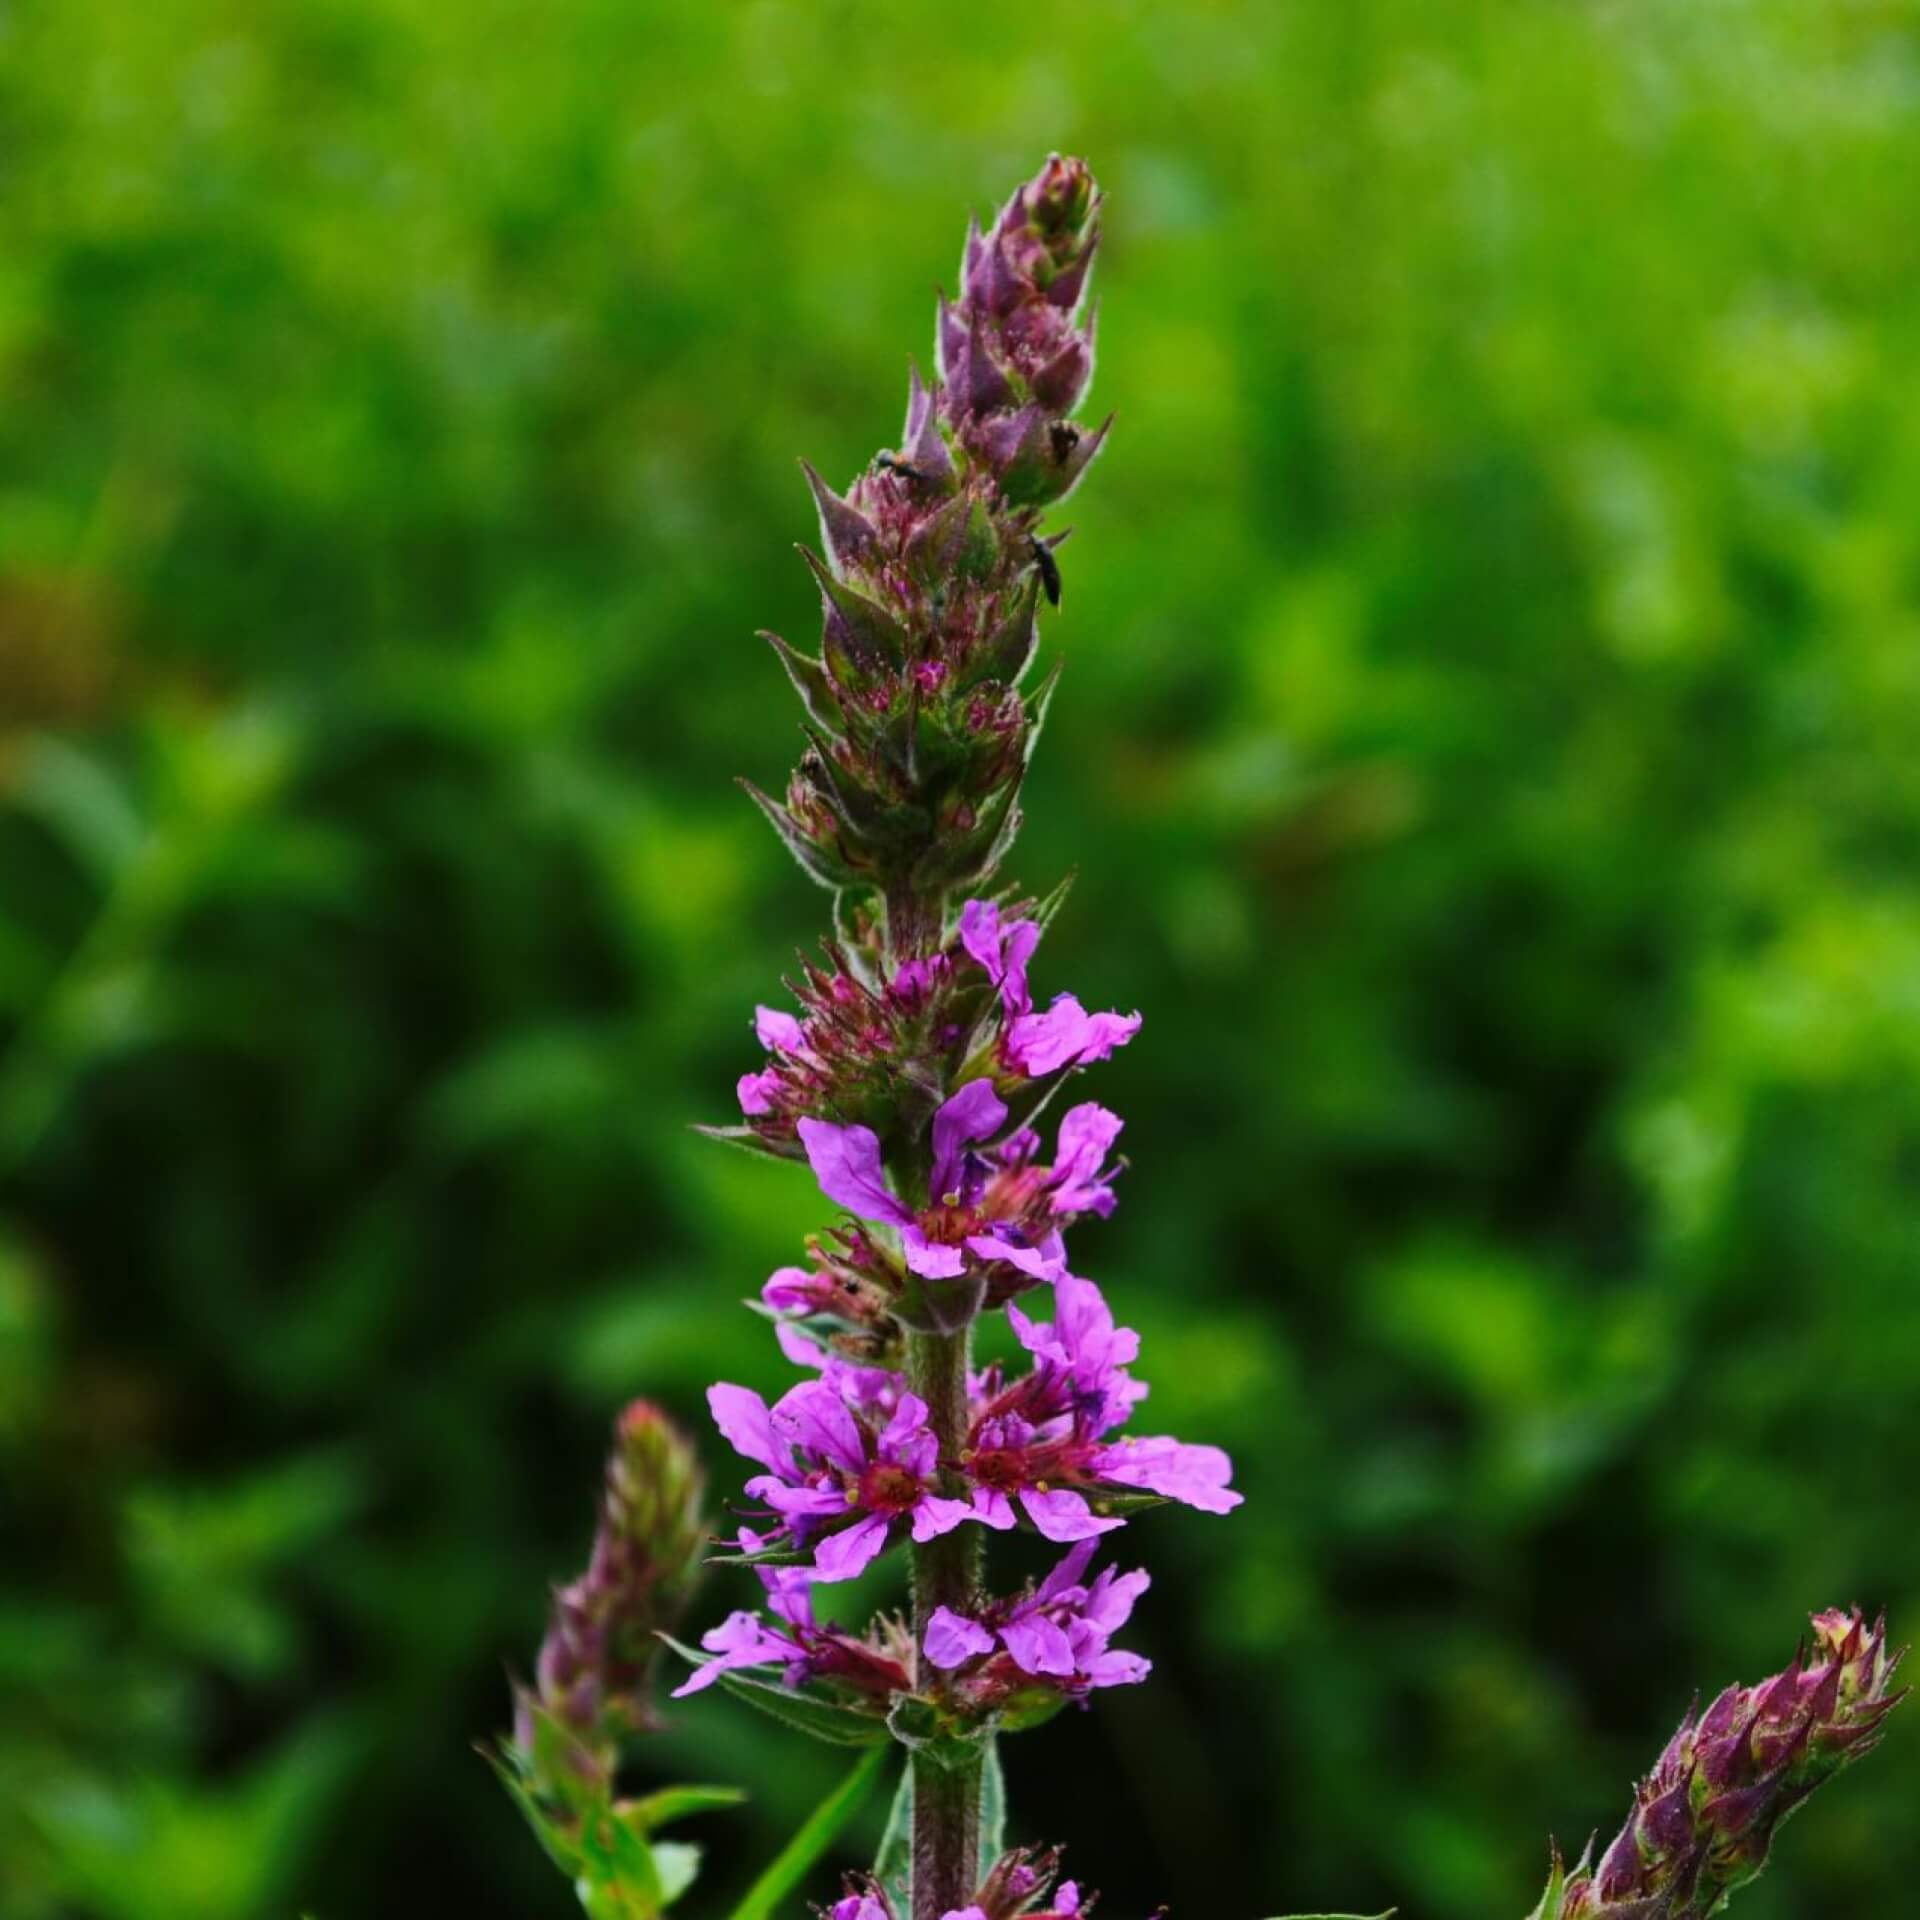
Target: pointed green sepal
(811, 682)
(868, 631)
(815, 860)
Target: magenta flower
(1036, 1044)
(1059, 1634)
(1000, 950)
(826, 1466)
(1066, 1035)
(995, 1204)
(793, 1640)
(1044, 1438)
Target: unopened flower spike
(601, 1649)
(593, 1681)
(1703, 1821)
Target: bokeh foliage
(1489, 752)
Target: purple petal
(1062, 1515)
(1196, 1476)
(980, 935)
(846, 1162)
(931, 1259)
(1087, 1134)
(757, 1091)
(935, 1516)
(953, 1639)
(976, 1112)
(1038, 1645)
(1110, 1603)
(790, 1290)
(777, 1031)
(741, 1640)
(1067, 1573)
(1045, 1262)
(1043, 1043)
(1035, 1335)
(908, 1440)
(789, 1592)
(805, 1503)
(1003, 951)
(1106, 1034)
(744, 1423)
(814, 1417)
(842, 1555)
(992, 1508)
(1066, 1035)
(1116, 1670)
(802, 1351)
(1086, 1326)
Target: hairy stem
(946, 1798)
(913, 923)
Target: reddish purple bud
(1703, 1821)
(593, 1675)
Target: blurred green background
(1488, 749)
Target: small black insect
(1049, 570)
(904, 468)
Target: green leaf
(675, 1803)
(1388, 1915)
(618, 1865)
(893, 1864)
(765, 1557)
(797, 1858)
(824, 1718)
(993, 1808)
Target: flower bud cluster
(932, 571)
(1704, 1820)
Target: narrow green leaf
(618, 1864)
(766, 1557)
(798, 1857)
(993, 1808)
(675, 1803)
(893, 1864)
(825, 1719)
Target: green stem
(913, 923)
(946, 1797)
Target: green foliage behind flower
(1490, 746)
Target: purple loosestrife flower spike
(595, 1667)
(1703, 1821)
(912, 1080)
